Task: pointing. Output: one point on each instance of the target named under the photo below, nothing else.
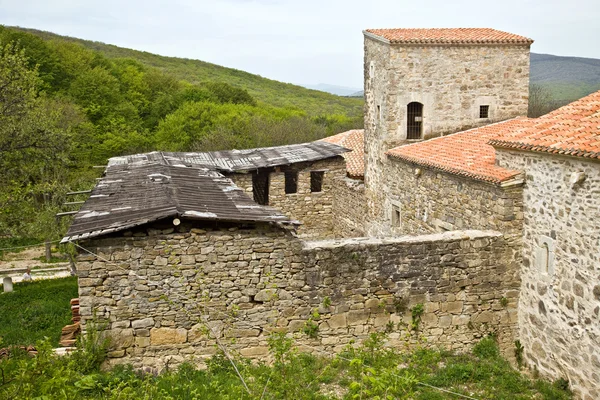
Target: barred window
(484, 111)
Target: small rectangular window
(484, 111)
(316, 181)
(291, 182)
(378, 113)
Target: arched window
(414, 122)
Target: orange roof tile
(570, 130)
(355, 159)
(449, 36)
(465, 153)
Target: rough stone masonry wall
(313, 209)
(435, 201)
(450, 81)
(349, 208)
(167, 296)
(559, 309)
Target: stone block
(160, 336)
(357, 317)
(120, 338)
(142, 323)
(256, 351)
(337, 321)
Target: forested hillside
(566, 78)
(265, 90)
(65, 107)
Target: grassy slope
(266, 90)
(35, 310)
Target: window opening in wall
(545, 258)
(260, 187)
(484, 111)
(414, 112)
(371, 70)
(316, 181)
(396, 216)
(291, 182)
(378, 113)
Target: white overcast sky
(300, 41)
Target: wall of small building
(166, 296)
(313, 209)
(349, 208)
(559, 309)
(426, 200)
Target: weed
(326, 302)
(519, 353)
(504, 302)
(416, 314)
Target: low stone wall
(559, 311)
(166, 297)
(349, 208)
(312, 209)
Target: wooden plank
(80, 192)
(71, 203)
(64, 214)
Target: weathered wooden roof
(140, 192)
(240, 160)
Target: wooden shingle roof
(240, 160)
(134, 194)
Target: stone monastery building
(450, 200)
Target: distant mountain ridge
(567, 78)
(333, 89)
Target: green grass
(35, 310)
(369, 372)
(266, 90)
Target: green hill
(567, 78)
(269, 91)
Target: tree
(34, 137)
(540, 101)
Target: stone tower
(424, 83)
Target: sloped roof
(240, 160)
(449, 36)
(572, 130)
(355, 159)
(465, 153)
(134, 194)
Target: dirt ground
(14, 264)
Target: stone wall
(349, 208)
(167, 296)
(312, 209)
(450, 81)
(559, 310)
(433, 201)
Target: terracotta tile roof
(449, 36)
(465, 153)
(572, 130)
(355, 141)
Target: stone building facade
(417, 88)
(426, 200)
(168, 295)
(314, 209)
(559, 307)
